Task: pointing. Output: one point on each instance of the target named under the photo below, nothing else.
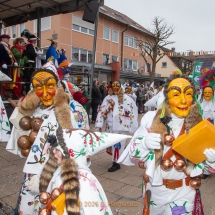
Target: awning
(13, 12)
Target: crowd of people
(51, 131)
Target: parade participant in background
(52, 54)
(120, 113)
(56, 151)
(17, 50)
(6, 59)
(29, 60)
(85, 95)
(129, 92)
(167, 173)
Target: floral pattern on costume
(41, 150)
(79, 113)
(93, 183)
(178, 210)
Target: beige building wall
(165, 71)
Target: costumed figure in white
(129, 92)
(121, 116)
(57, 177)
(171, 180)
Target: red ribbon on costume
(116, 154)
(198, 209)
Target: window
(130, 41)
(84, 30)
(114, 58)
(81, 55)
(21, 28)
(90, 56)
(13, 31)
(91, 32)
(75, 27)
(106, 59)
(106, 33)
(4, 30)
(115, 36)
(130, 64)
(164, 64)
(45, 24)
(75, 54)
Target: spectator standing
(29, 57)
(96, 100)
(140, 98)
(6, 59)
(17, 50)
(103, 90)
(52, 54)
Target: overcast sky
(193, 19)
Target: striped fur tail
(69, 175)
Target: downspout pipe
(122, 46)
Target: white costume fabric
(79, 149)
(4, 124)
(163, 200)
(208, 108)
(156, 100)
(123, 119)
(133, 96)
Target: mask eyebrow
(174, 88)
(38, 80)
(47, 79)
(188, 87)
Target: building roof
(107, 11)
(207, 60)
(15, 12)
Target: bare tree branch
(153, 43)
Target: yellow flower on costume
(120, 114)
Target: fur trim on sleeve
(28, 104)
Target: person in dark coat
(30, 54)
(96, 100)
(6, 58)
(103, 90)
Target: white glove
(15, 64)
(210, 155)
(70, 64)
(4, 66)
(33, 184)
(153, 140)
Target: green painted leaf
(45, 135)
(7, 124)
(42, 140)
(152, 157)
(41, 146)
(185, 203)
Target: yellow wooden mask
(129, 90)
(45, 86)
(116, 86)
(180, 96)
(208, 93)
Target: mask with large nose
(180, 96)
(45, 85)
